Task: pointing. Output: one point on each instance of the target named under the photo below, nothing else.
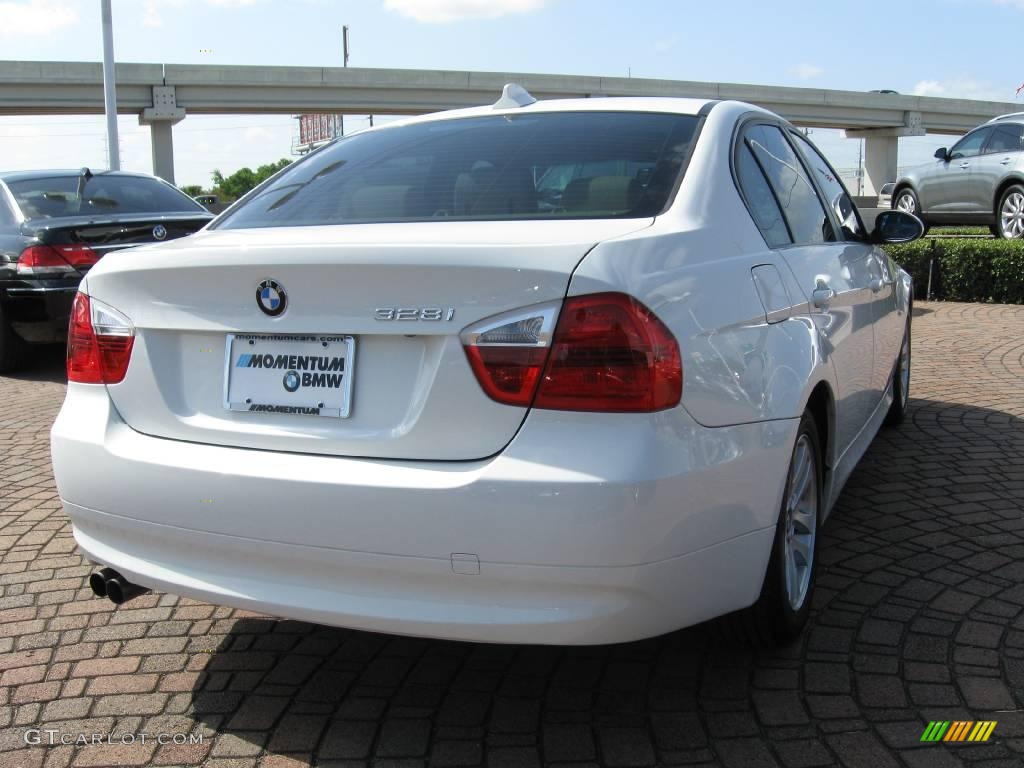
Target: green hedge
(965, 269)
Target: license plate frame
(287, 403)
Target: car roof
(669, 104)
(50, 173)
(1016, 117)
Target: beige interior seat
(602, 194)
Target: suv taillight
(50, 260)
(99, 342)
(608, 352)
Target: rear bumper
(577, 538)
(424, 596)
(39, 313)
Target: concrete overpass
(163, 94)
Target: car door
(881, 274)
(834, 276)
(991, 166)
(947, 189)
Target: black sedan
(54, 225)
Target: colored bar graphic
(958, 730)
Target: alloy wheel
(1011, 216)
(801, 522)
(905, 203)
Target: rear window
(61, 196)
(559, 165)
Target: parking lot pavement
(919, 617)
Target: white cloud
(231, 3)
(965, 88)
(445, 11)
(1012, 3)
(36, 18)
(152, 17)
(807, 71)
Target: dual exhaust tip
(110, 584)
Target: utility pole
(110, 88)
(344, 63)
(860, 167)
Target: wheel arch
(900, 186)
(822, 406)
(1005, 184)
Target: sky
(956, 48)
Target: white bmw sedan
(563, 372)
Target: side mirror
(942, 153)
(896, 227)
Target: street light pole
(109, 89)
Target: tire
(1010, 213)
(900, 383)
(906, 200)
(781, 612)
(13, 349)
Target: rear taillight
(99, 342)
(51, 260)
(608, 352)
(508, 352)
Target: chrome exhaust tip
(98, 581)
(110, 584)
(120, 590)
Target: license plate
(303, 375)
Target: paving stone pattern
(919, 615)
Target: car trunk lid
(400, 292)
(101, 235)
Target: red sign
(314, 128)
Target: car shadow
(319, 694)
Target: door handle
(876, 284)
(965, 165)
(822, 295)
(1005, 161)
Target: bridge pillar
(881, 154)
(160, 118)
(881, 150)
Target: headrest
(386, 201)
(602, 194)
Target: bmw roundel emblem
(159, 231)
(291, 381)
(271, 297)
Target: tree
(241, 181)
(192, 190)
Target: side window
(970, 145)
(760, 200)
(835, 193)
(797, 196)
(1005, 138)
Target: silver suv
(979, 181)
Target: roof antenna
(513, 95)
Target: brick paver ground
(919, 616)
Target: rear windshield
(558, 165)
(58, 196)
